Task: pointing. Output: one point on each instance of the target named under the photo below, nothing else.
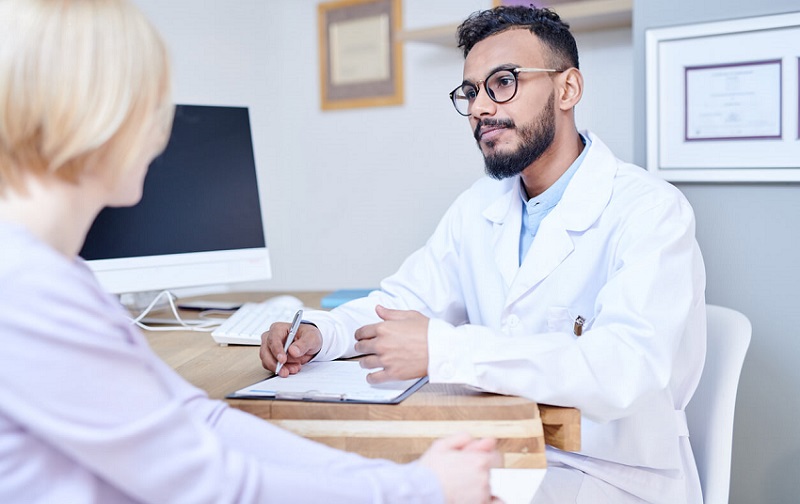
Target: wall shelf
(582, 16)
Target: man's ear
(569, 88)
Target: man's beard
(537, 136)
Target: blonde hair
(81, 84)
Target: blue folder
(342, 296)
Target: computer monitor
(199, 221)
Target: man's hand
(307, 343)
(399, 345)
(462, 464)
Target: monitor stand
(136, 302)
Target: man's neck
(544, 172)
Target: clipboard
(333, 381)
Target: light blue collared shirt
(534, 210)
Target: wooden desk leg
(562, 427)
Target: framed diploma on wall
(723, 100)
(361, 60)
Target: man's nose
(482, 105)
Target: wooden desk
(397, 432)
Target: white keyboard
(246, 325)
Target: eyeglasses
(500, 85)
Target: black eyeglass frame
(489, 92)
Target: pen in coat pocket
(578, 327)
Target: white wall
(349, 194)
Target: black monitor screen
(200, 194)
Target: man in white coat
(567, 276)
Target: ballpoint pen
(290, 338)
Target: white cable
(206, 325)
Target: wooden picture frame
(360, 56)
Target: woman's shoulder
(44, 292)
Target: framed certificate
(734, 101)
(360, 59)
(723, 101)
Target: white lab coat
(618, 250)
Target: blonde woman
(88, 414)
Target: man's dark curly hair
(544, 23)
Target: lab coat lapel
(505, 213)
(581, 205)
(550, 247)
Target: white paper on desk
(331, 381)
(516, 486)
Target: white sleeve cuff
(449, 359)
(334, 345)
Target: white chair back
(710, 412)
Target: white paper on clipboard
(333, 381)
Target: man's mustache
(503, 123)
